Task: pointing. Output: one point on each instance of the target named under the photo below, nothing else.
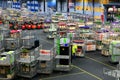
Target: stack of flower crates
(45, 61)
(7, 65)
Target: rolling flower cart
(114, 51)
(27, 63)
(13, 42)
(7, 65)
(114, 72)
(80, 51)
(47, 25)
(45, 61)
(62, 61)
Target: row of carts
(26, 61)
(22, 56)
(73, 36)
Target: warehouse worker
(74, 49)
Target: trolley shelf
(46, 59)
(62, 57)
(27, 60)
(7, 65)
(2, 49)
(28, 41)
(8, 77)
(59, 66)
(63, 67)
(28, 37)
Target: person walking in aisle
(74, 49)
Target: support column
(83, 7)
(68, 9)
(93, 3)
(61, 3)
(44, 5)
(59, 6)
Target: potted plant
(24, 53)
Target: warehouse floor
(88, 68)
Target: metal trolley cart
(87, 34)
(62, 26)
(58, 14)
(45, 61)
(76, 15)
(116, 72)
(7, 65)
(107, 25)
(70, 18)
(81, 22)
(62, 54)
(5, 32)
(115, 26)
(1, 42)
(80, 51)
(28, 41)
(97, 25)
(52, 32)
(105, 47)
(106, 43)
(89, 19)
(47, 24)
(27, 63)
(40, 24)
(63, 20)
(13, 41)
(101, 35)
(90, 45)
(114, 51)
(54, 18)
(84, 31)
(71, 31)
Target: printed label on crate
(44, 51)
(64, 41)
(91, 47)
(102, 36)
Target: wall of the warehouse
(4, 4)
(88, 8)
(73, 7)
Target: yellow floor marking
(63, 75)
(84, 71)
(100, 62)
(88, 72)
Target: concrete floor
(88, 68)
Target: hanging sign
(104, 1)
(14, 0)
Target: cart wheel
(47, 38)
(115, 63)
